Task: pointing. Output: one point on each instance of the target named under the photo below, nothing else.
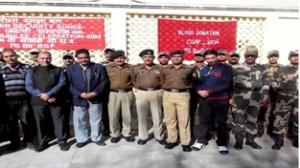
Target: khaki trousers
(149, 101)
(120, 104)
(176, 112)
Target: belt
(147, 89)
(177, 90)
(120, 90)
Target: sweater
(217, 80)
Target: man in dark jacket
(45, 83)
(87, 83)
(214, 87)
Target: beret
(117, 53)
(146, 52)
(177, 52)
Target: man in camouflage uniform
(250, 92)
(233, 60)
(199, 64)
(285, 81)
(222, 56)
(267, 111)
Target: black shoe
(129, 139)
(142, 142)
(162, 142)
(170, 145)
(81, 144)
(100, 143)
(30, 145)
(253, 145)
(64, 147)
(186, 148)
(41, 148)
(114, 139)
(239, 141)
(295, 142)
(260, 130)
(278, 139)
(238, 147)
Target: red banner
(51, 33)
(195, 35)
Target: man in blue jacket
(213, 88)
(87, 84)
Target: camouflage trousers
(246, 111)
(286, 110)
(266, 112)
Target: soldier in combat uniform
(285, 81)
(265, 113)
(250, 92)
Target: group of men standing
(41, 95)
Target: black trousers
(220, 109)
(67, 109)
(43, 115)
(193, 107)
(20, 110)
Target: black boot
(295, 141)
(250, 141)
(260, 130)
(239, 141)
(278, 139)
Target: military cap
(273, 52)
(106, 50)
(146, 52)
(68, 55)
(117, 53)
(163, 54)
(294, 53)
(222, 52)
(177, 52)
(199, 53)
(34, 51)
(251, 50)
(234, 53)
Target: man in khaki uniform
(120, 97)
(148, 95)
(176, 81)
